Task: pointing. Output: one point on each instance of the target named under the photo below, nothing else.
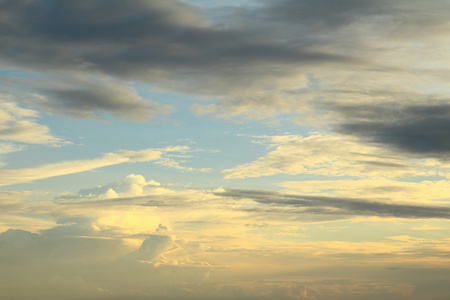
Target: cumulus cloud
(90, 267)
(153, 246)
(132, 186)
(64, 264)
(166, 244)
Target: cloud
(153, 246)
(123, 247)
(18, 124)
(304, 204)
(87, 267)
(305, 45)
(12, 176)
(91, 99)
(326, 155)
(169, 45)
(418, 129)
(381, 189)
(161, 267)
(257, 105)
(80, 96)
(132, 186)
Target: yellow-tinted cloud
(326, 155)
(14, 176)
(395, 191)
(18, 124)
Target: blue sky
(224, 149)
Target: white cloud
(18, 124)
(326, 155)
(132, 186)
(14, 176)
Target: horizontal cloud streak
(420, 129)
(299, 204)
(327, 155)
(8, 177)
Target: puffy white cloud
(132, 186)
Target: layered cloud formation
(320, 165)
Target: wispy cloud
(19, 124)
(301, 204)
(328, 155)
(13, 176)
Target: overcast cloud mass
(242, 149)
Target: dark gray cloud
(323, 14)
(80, 96)
(140, 34)
(171, 44)
(301, 204)
(144, 40)
(85, 102)
(418, 128)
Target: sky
(246, 149)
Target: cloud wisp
(305, 204)
(14, 176)
(19, 124)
